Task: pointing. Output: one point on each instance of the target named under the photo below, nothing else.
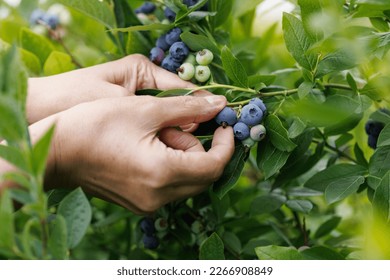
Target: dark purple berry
(374, 128)
(372, 141)
(162, 44)
(251, 114)
(36, 16)
(257, 101)
(146, 8)
(241, 131)
(150, 242)
(156, 55)
(190, 3)
(179, 51)
(147, 226)
(173, 36)
(169, 14)
(226, 117)
(170, 64)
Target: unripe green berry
(161, 224)
(248, 142)
(190, 59)
(202, 73)
(258, 132)
(186, 71)
(204, 57)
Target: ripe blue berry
(251, 114)
(241, 131)
(186, 71)
(179, 51)
(190, 3)
(169, 14)
(170, 64)
(146, 8)
(258, 132)
(173, 36)
(147, 226)
(202, 73)
(248, 142)
(150, 242)
(257, 101)
(156, 55)
(374, 128)
(51, 20)
(162, 43)
(36, 15)
(226, 117)
(204, 57)
(372, 141)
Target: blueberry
(169, 14)
(202, 73)
(36, 15)
(186, 71)
(161, 224)
(258, 132)
(147, 226)
(173, 36)
(251, 114)
(374, 128)
(162, 44)
(204, 57)
(372, 141)
(179, 51)
(146, 8)
(248, 142)
(257, 101)
(51, 20)
(190, 3)
(150, 242)
(241, 131)
(170, 64)
(226, 117)
(156, 55)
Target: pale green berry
(248, 142)
(258, 132)
(186, 71)
(202, 73)
(161, 224)
(190, 59)
(204, 57)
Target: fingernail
(216, 100)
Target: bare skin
(122, 147)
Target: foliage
(305, 192)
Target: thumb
(182, 110)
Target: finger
(189, 127)
(180, 140)
(183, 110)
(204, 167)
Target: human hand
(123, 77)
(126, 150)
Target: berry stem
(214, 85)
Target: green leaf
(174, 92)
(14, 156)
(212, 248)
(327, 227)
(352, 83)
(98, 10)
(381, 200)
(309, 10)
(270, 159)
(298, 42)
(233, 68)
(335, 174)
(12, 125)
(335, 62)
(137, 43)
(242, 7)
(256, 81)
(7, 230)
(198, 42)
(380, 116)
(278, 134)
(31, 61)
(342, 187)
(378, 166)
(384, 137)
(57, 63)
(377, 88)
(36, 44)
(223, 9)
(27, 238)
(359, 155)
(76, 210)
(274, 252)
(321, 253)
(266, 204)
(296, 128)
(58, 239)
(299, 205)
(148, 27)
(41, 151)
(232, 172)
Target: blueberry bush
(308, 95)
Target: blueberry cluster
(247, 127)
(373, 129)
(39, 16)
(149, 238)
(197, 67)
